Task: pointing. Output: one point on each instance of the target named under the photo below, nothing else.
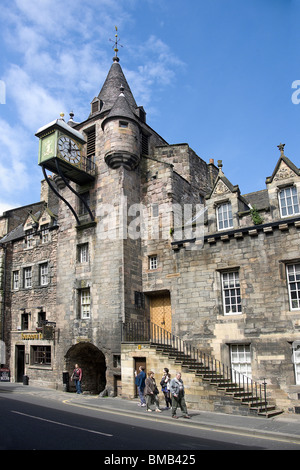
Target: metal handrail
(139, 331)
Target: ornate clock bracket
(60, 173)
(60, 151)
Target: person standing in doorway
(77, 377)
(140, 383)
(177, 394)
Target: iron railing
(212, 369)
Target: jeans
(78, 386)
(141, 395)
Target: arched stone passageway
(92, 362)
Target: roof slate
(110, 90)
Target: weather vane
(116, 44)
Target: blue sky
(216, 74)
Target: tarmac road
(43, 419)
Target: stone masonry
(170, 237)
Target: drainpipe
(2, 288)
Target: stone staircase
(247, 398)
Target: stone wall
(30, 301)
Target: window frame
(16, 279)
(82, 210)
(237, 294)
(25, 318)
(152, 262)
(83, 253)
(296, 360)
(295, 281)
(228, 219)
(85, 303)
(292, 205)
(29, 237)
(242, 362)
(45, 233)
(26, 270)
(38, 352)
(44, 275)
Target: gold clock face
(68, 149)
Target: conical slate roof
(121, 108)
(111, 88)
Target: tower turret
(121, 135)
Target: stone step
(270, 414)
(238, 393)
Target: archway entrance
(92, 362)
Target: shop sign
(4, 375)
(28, 336)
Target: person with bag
(77, 377)
(177, 393)
(151, 393)
(165, 387)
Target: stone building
(28, 287)
(159, 237)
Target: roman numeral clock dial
(68, 150)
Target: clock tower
(99, 262)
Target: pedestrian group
(173, 391)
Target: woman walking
(151, 392)
(165, 387)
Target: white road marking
(62, 424)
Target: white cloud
(33, 103)
(5, 206)
(16, 148)
(157, 69)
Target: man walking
(77, 377)
(177, 394)
(140, 383)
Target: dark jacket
(140, 380)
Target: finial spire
(116, 45)
(281, 148)
(220, 165)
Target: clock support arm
(60, 196)
(75, 192)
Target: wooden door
(160, 311)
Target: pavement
(284, 427)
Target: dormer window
(96, 105)
(224, 216)
(90, 147)
(45, 234)
(288, 201)
(29, 238)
